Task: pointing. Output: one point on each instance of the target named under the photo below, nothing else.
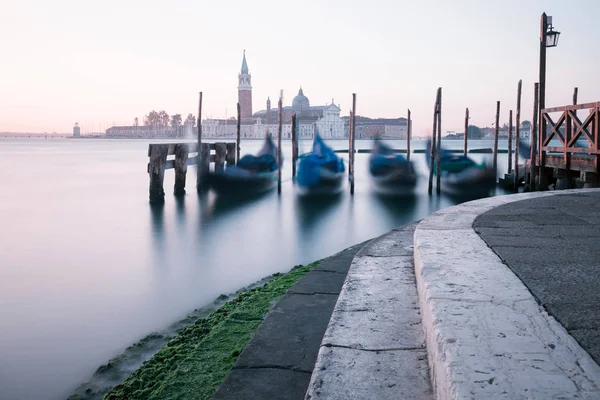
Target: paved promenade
(553, 245)
(491, 299)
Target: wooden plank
(560, 149)
(577, 163)
(571, 107)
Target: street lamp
(548, 38)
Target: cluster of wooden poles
(513, 165)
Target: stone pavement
(374, 347)
(553, 245)
(486, 335)
(278, 361)
(495, 298)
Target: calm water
(87, 267)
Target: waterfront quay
(494, 298)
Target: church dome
(300, 101)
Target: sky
(104, 63)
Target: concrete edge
(486, 335)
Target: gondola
(320, 172)
(460, 175)
(253, 175)
(391, 173)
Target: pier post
(156, 170)
(279, 122)
(294, 145)
(517, 137)
(352, 144)
(230, 154)
(238, 134)
(220, 152)
(562, 179)
(181, 156)
(199, 175)
(510, 136)
(589, 179)
(408, 136)
(533, 139)
(496, 133)
(203, 167)
(466, 129)
(433, 144)
(439, 146)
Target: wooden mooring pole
(439, 144)
(433, 144)
(496, 133)
(466, 129)
(408, 136)
(510, 137)
(156, 170)
(294, 145)
(517, 138)
(180, 164)
(352, 144)
(533, 138)
(279, 123)
(238, 133)
(201, 173)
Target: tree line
(476, 132)
(163, 119)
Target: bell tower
(245, 90)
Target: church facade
(324, 119)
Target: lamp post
(548, 38)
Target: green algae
(194, 363)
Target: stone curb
(374, 347)
(486, 336)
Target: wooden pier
(570, 160)
(220, 154)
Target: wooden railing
(568, 129)
(224, 153)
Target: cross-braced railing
(569, 129)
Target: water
(87, 267)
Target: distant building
(386, 128)
(76, 130)
(150, 131)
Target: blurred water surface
(88, 267)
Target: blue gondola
(253, 174)
(391, 173)
(460, 175)
(320, 172)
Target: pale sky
(106, 62)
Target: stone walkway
(279, 360)
(553, 245)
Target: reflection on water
(89, 267)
